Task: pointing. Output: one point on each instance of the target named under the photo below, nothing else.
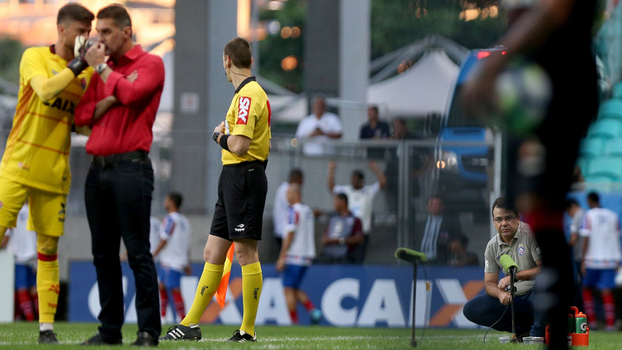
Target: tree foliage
(400, 22)
(11, 51)
(394, 24)
(273, 49)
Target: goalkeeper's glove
(81, 46)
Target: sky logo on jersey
(244, 106)
(521, 250)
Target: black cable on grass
(492, 325)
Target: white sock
(46, 327)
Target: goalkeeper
(35, 164)
(516, 240)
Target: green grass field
(24, 336)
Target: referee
(242, 187)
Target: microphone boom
(410, 256)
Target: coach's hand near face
(96, 54)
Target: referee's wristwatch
(100, 68)
(215, 136)
(342, 241)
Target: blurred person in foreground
(374, 128)
(343, 234)
(23, 243)
(360, 199)
(515, 239)
(173, 249)
(320, 126)
(602, 255)
(281, 206)
(297, 254)
(540, 166)
(35, 163)
(120, 105)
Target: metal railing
(400, 210)
(413, 168)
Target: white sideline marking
(270, 342)
(308, 339)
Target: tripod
(413, 341)
(512, 271)
(412, 257)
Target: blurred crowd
(349, 228)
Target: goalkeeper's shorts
(46, 209)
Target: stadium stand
(600, 155)
(606, 166)
(611, 109)
(605, 128)
(612, 147)
(592, 147)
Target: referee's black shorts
(242, 190)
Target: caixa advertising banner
(348, 296)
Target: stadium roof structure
(418, 90)
(388, 65)
(428, 67)
(421, 88)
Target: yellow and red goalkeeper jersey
(37, 150)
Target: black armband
(223, 142)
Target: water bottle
(581, 321)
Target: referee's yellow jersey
(37, 150)
(249, 115)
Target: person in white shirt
(297, 253)
(173, 249)
(23, 244)
(360, 198)
(576, 213)
(320, 126)
(154, 234)
(601, 258)
(281, 205)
